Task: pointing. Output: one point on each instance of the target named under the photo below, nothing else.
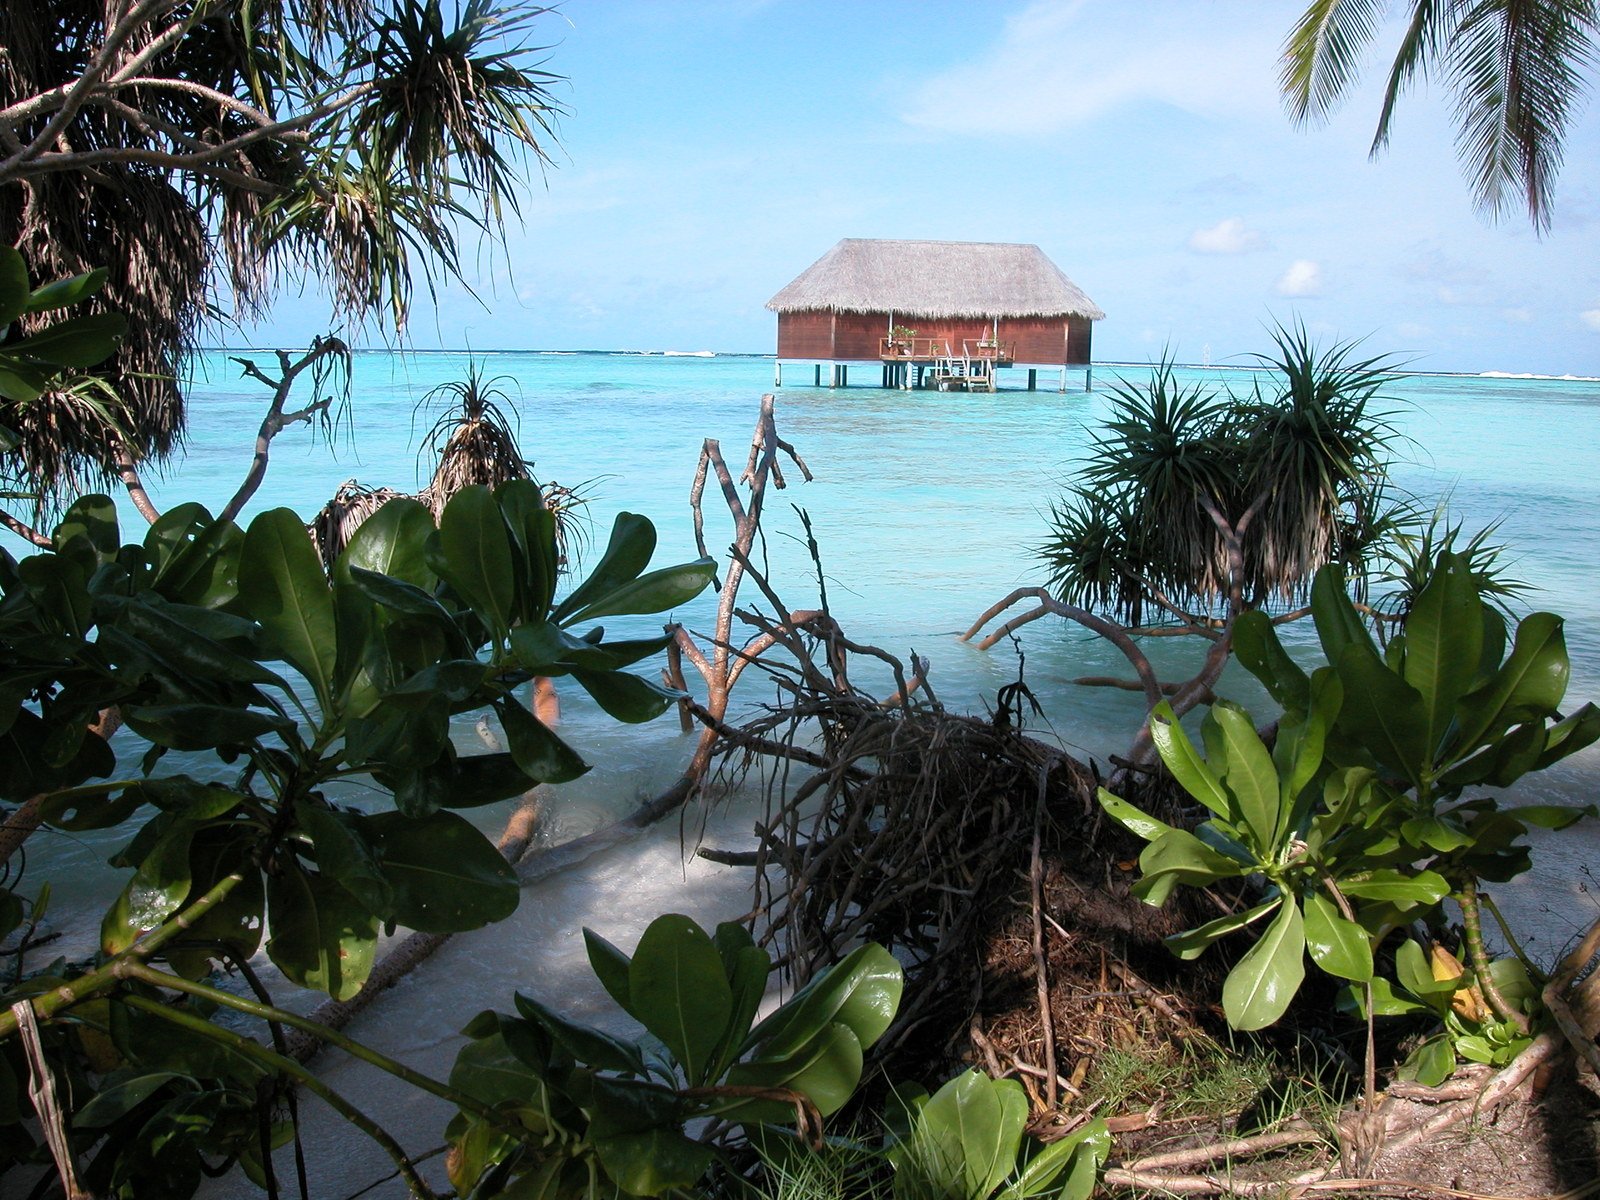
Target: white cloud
(1227, 236)
(1522, 316)
(1303, 278)
(1054, 66)
(1412, 330)
(1591, 318)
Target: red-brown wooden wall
(855, 337)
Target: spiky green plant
(1296, 471)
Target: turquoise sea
(925, 505)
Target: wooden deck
(934, 363)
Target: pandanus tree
(1516, 72)
(207, 152)
(1196, 507)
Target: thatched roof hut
(936, 280)
(848, 305)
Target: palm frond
(1518, 71)
(1321, 58)
(1427, 33)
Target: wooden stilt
(816, 375)
(1033, 379)
(1063, 377)
(1088, 378)
(777, 374)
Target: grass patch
(1251, 1084)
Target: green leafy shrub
(188, 634)
(580, 1112)
(966, 1142)
(1355, 820)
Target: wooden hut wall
(807, 335)
(856, 337)
(1080, 335)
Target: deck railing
(913, 348)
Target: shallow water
(925, 505)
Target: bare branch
(23, 530)
(276, 419)
(128, 472)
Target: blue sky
(713, 150)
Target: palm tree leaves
(1306, 449)
(1322, 55)
(343, 140)
(1517, 69)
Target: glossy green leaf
(1576, 732)
(121, 1098)
(1340, 947)
(1444, 642)
(533, 535)
(747, 972)
(628, 698)
(589, 1046)
(1385, 713)
(1415, 887)
(62, 293)
(1135, 820)
(628, 551)
(344, 852)
(1528, 686)
(1191, 943)
(1185, 763)
(1250, 775)
(538, 751)
(1431, 1063)
(202, 726)
(477, 551)
(677, 990)
(78, 811)
(826, 1069)
(1079, 1156)
(862, 990)
(1256, 645)
(1549, 816)
(1434, 834)
(1414, 974)
(611, 967)
(1260, 987)
(15, 292)
(282, 585)
(653, 1162)
(74, 342)
(1180, 857)
(160, 884)
(984, 1117)
(321, 937)
(489, 1070)
(446, 875)
(659, 591)
(174, 636)
(1338, 624)
(91, 523)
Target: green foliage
(1438, 986)
(1355, 819)
(237, 645)
(581, 1112)
(1177, 468)
(50, 359)
(1516, 74)
(966, 1142)
(31, 363)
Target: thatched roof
(936, 279)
